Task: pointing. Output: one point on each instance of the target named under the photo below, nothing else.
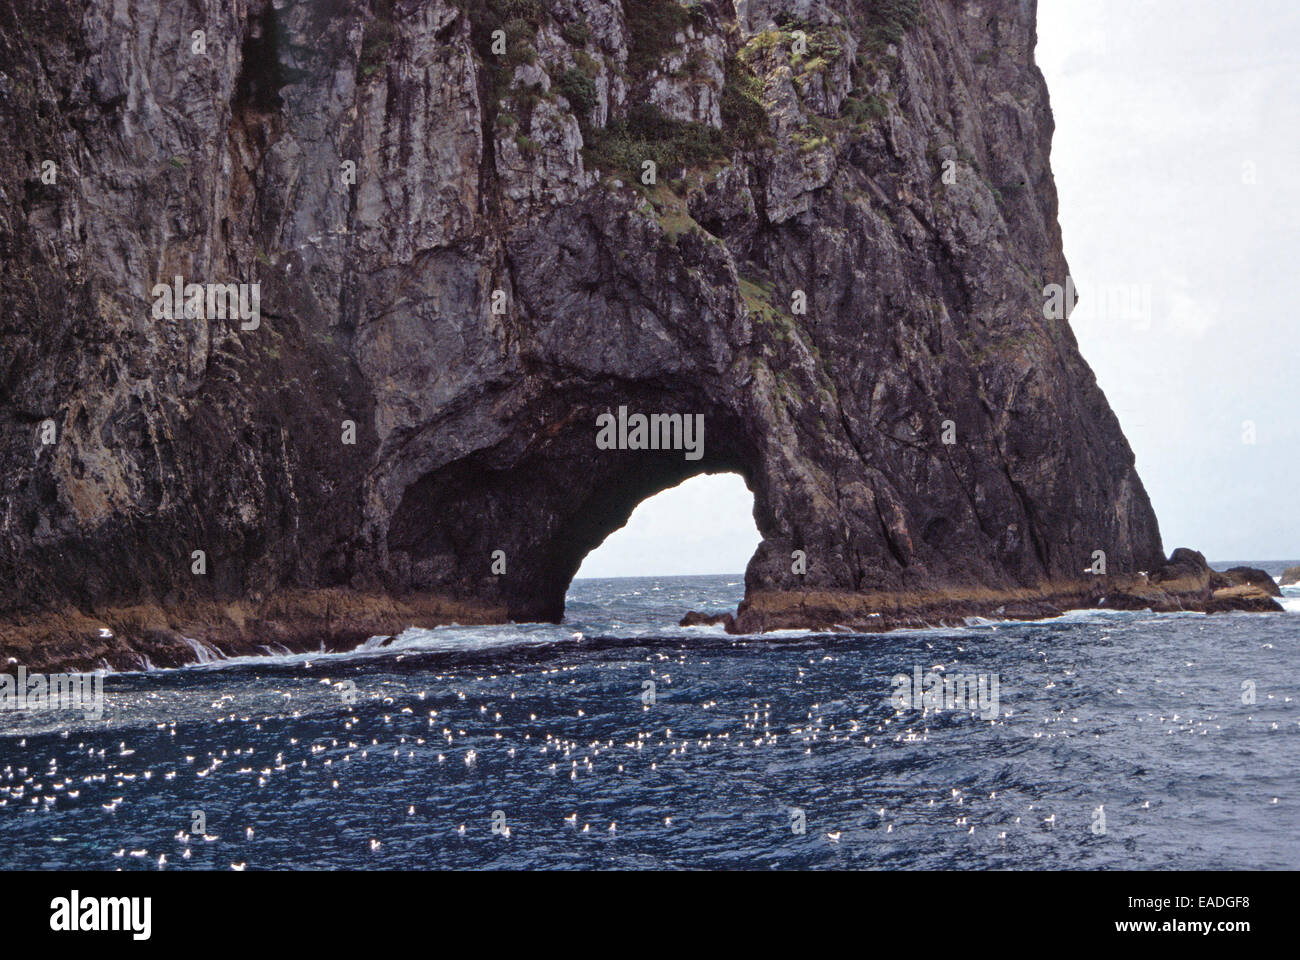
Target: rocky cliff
(474, 227)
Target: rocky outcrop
(1186, 582)
(1290, 577)
(462, 262)
(694, 618)
(1247, 577)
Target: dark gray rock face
(840, 265)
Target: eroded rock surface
(1248, 577)
(456, 256)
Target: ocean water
(1119, 740)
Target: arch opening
(507, 527)
(703, 525)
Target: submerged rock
(842, 265)
(696, 619)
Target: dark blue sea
(619, 740)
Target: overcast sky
(1166, 111)
(1177, 159)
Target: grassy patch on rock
(757, 296)
(519, 20)
(886, 21)
(652, 28)
(580, 90)
(648, 134)
(865, 108)
(744, 118)
(671, 211)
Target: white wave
(452, 637)
(475, 638)
(204, 651)
(709, 629)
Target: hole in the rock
(703, 525)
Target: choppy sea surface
(619, 740)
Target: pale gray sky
(1177, 159)
(705, 525)
(1165, 111)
